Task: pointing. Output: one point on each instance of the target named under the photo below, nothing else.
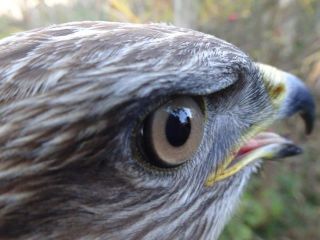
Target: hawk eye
(172, 133)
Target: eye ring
(170, 135)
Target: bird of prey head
(125, 131)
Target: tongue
(262, 139)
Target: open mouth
(263, 146)
(267, 146)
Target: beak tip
(290, 150)
(309, 118)
(301, 101)
(309, 130)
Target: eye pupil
(178, 126)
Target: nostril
(277, 91)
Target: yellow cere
(275, 83)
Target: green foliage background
(283, 201)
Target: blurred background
(283, 200)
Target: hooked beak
(289, 96)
